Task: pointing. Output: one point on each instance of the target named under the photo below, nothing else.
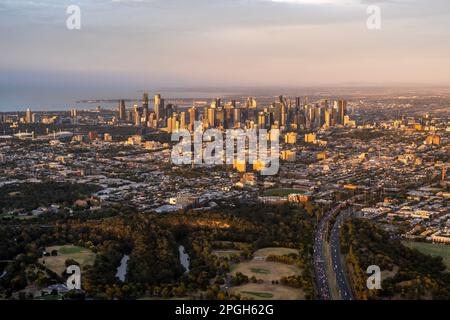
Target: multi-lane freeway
(320, 262)
(335, 249)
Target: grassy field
(280, 192)
(263, 295)
(50, 297)
(433, 249)
(259, 270)
(227, 253)
(264, 253)
(17, 217)
(145, 298)
(57, 264)
(65, 250)
(222, 245)
(267, 271)
(268, 292)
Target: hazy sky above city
(180, 43)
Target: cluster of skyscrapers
(142, 116)
(283, 114)
(29, 118)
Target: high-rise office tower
(328, 118)
(172, 123)
(182, 120)
(283, 114)
(159, 108)
(270, 120)
(276, 106)
(252, 115)
(283, 102)
(215, 103)
(122, 110)
(169, 110)
(310, 116)
(137, 116)
(248, 102)
(236, 116)
(291, 114)
(319, 116)
(228, 118)
(218, 103)
(192, 117)
(157, 100)
(203, 116)
(145, 111)
(169, 125)
(211, 117)
(261, 120)
(335, 114)
(28, 116)
(301, 120)
(220, 117)
(251, 103)
(342, 111)
(297, 102)
(162, 106)
(151, 120)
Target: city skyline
(124, 45)
(220, 158)
(349, 188)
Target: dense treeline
(152, 241)
(299, 281)
(413, 275)
(29, 196)
(257, 225)
(154, 258)
(286, 259)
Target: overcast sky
(189, 43)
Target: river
(184, 258)
(122, 269)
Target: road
(320, 267)
(341, 278)
(319, 264)
(319, 261)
